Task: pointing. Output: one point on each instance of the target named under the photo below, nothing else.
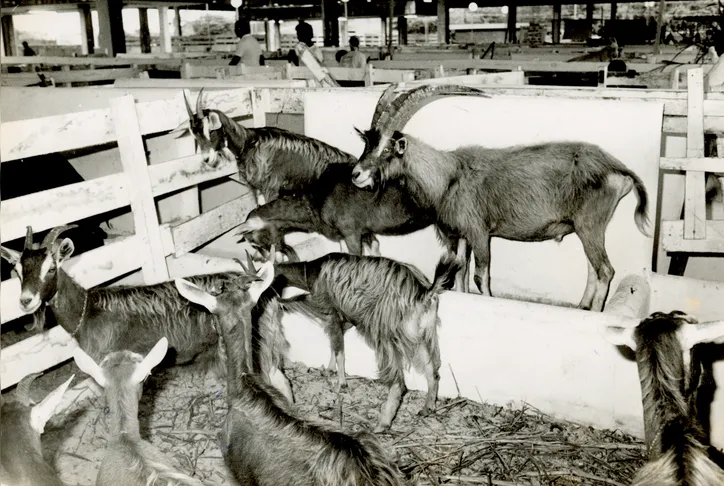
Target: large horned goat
(670, 375)
(524, 193)
(271, 160)
(108, 319)
(262, 441)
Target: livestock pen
(170, 216)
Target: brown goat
(666, 353)
(262, 441)
(522, 193)
(129, 460)
(21, 455)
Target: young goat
(271, 160)
(393, 307)
(336, 209)
(262, 442)
(21, 455)
(129, 460)
(523, 193)
(666, 353)
(109, 319)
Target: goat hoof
(342, 387)
(381, 429)
(424, 412)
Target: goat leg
(391, 405)
(593, 246)
(335, 332)
(354, 244)
(430, 359)
(372, 244)
(481, 249)
(462, 279)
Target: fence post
(695, 200)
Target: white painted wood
(513, 78)
(75, 76)
(208, 83)
(695, 202)
(674, 239)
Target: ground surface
(464, 442)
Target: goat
(21, 455)
(109, 319)
(336, 209)
(391, 304)
(666, 353)
(262, 441)
(523, 193)
(272, 161)
(129, 460)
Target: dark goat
(262, 441)
(131, 318)
(21, 455)
(666, 353)
(523, 193)
(272, 161)
(393, 307)
(129, 460)
(338, 210)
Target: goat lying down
(23, 422)
(272, 161)
(129, 460)
(393, 307)
(262, 441)
(131, 318)
(524, 193)
(670, 375)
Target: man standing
(305, 33)
(248, 50)
(354, 58)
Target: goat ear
(64, 250)
(620, 336)
(12, 256)
(214, 121)
(400, 145)
(41, 413)
(361, 134)
(266, 272)
(152, 359)
(181, 130)
(196, 295)
(706, 332)
(87, 365)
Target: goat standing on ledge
(21, 453)
(522, 193)
(272, 161)
(666, 353)
(262, 442)
(391, 304)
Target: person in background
(248, 50)
(354, 58)
(305, 33)
(27, 50)
(339, 55)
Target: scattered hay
(463, 442)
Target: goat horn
(28, 237)
(199, 104)
(54, 233)
(22, 391)
(406, 105)
(382, 103)
(188, 106)
(241, 264)
(250, 262)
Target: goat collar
(81, 320)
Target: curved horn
(382, 103)
(54, 233)
(22, 391)
(188, 106)
(406, 105)
(28, 237)
(199, 104)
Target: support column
(87, 44)
(144, 32)
(177, 20)
(512, 33)
(277, 35)
(402, 30)
(611, 31)
(659, 26)
(556, 37)
(8, 28)
(443, 22)
(269, 35)
(165, 29)
(111, 37)
(330, 13)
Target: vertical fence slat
(695, 203)
(135, 164)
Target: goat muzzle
(362, 178)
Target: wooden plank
(513, 78)
(672, 238)
(54, 207)
(188, 171)
(135, 165)
(92, 268)
(86, 61)
(195, 232)
(527, 66)
(260, 106)
(77, 76)
(208, 84)
(695, 200)
(703, 164)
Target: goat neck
(428, 172)
(70, 303)
(237, 136)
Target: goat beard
(38, 324)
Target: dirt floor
(464, 442)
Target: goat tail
(445, 272)
(641, 214)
